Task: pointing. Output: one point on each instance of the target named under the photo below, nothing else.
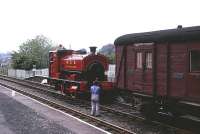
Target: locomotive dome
(178, 34)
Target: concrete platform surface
(22, 115)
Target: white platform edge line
(60, 111)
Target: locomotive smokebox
(93, 49)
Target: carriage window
(148, 60)
(139, 60)
(194, 61)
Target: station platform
(23, 115)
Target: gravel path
(16, 118)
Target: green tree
(111, 58)
(109, 51)
(32, 52)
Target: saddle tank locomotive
(73, 72)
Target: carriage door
(194, 74)
(143, 79)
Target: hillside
(4, 57)
(109, 51)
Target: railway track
(96, 121)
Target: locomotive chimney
(93, 50)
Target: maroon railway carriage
(74, 71)
(161, 68)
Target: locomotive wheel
(73, 95)
(57, 87)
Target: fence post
(34, 70)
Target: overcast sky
(84, 23)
